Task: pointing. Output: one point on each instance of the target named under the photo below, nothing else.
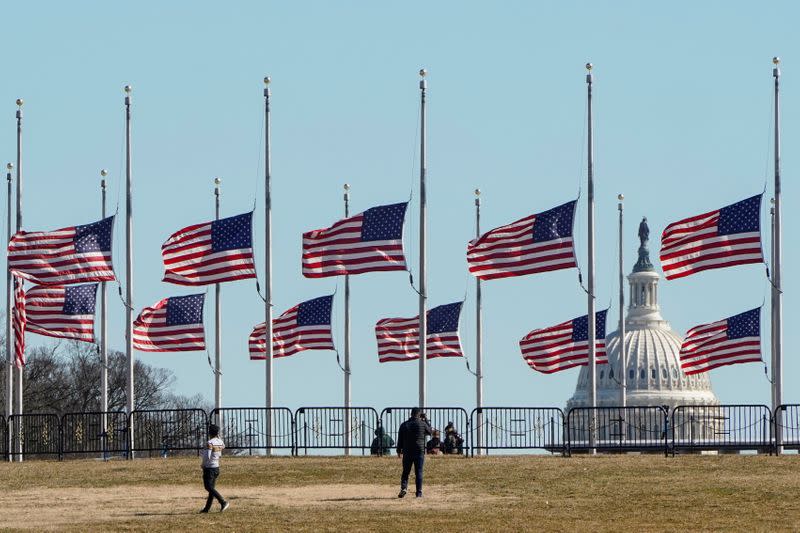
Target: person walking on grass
(211, 456)
(411, 449)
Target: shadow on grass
(358, 499)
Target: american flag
(726, 237)
(174, 324)
(398, 338)
(19, 320)
(367, 242)
(212, 252)
(76, 254)
(537, 243)
(736, 339)
(65, 312)
(564, 346)
(306, 326)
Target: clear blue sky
(683, 99)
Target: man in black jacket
(411, 448)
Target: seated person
(434, 446)
(382, 444)
(453, 442)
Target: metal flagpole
(777, 295)
(268, 264)
(21, 368)
(590, 245)
(623, 363)
(129, 390)
(347, 418)
(478, 334)
(103, 332)
(217, 324)
(772, 305)
(9, 331)
(423, 315)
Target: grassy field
(537, 493)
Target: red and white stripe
(693, 244)
(50, 258)
(19, 322)
(552, 349)
(44, 306)
(339, 250)
(288, 338)
(189, 260)
(152, 334)
(707, 347)
(510, 251)
(398, 340)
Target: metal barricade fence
(4, 437)
(324, 428)
(517, 428)
(95, 433)
(721, 427)
(255, 429)
(635, 428)
(39, 434)
(165, 431)
(438, 417)
(787, 424)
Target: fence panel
(38, 433)
(3, 437)
(166, 431)
(721, 427)
(255, 429)
(517, 428)
(438, 417)
(635, 428)
(323, 428)
(787, 425)
(95, 433)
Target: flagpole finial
(267, 80)
(477, 192)
(128, 89)
(423, 72)
(217, 181)
(20, 101)
(589, 67)
(346, 188)
(10, 166)
(776, 60)
(103, 173)
(620, 197)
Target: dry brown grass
(612, 493)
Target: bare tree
(64, 377)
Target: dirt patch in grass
(76, 507)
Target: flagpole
(623, 363)
(217, 324)
(103, 331)
(423, 315)
(590, 245)
(129, 389)
(20, 369)
(9, 334)
(478, 334)
(268, 263)
(347, 390)
(772, 304)
(777, 295)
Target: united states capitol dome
(653, 370)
